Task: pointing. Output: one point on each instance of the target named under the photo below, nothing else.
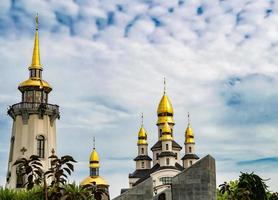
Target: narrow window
(157, 156)
(167, 161)
(190, 150)
(167, 147)
(142, 150)
(11, 149)
(191, 163)
(40, 146)
(160, 132)
(143, 164)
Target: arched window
(167, 147)
(191, 163)
(142, 150)
(157, 154)
(40, 146)
(162, 196)
(190, 150)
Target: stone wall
(198, 182)
(143, 191)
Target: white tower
(190, 157)
(143, 161)
(34, 128)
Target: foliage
(31, 169)
(96, 192)
(58, 173)
(23, 194)
(248, 187)
(75, 192)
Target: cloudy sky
(106, 61)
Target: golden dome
(34, 82)
(99, 181)
(189, 135)
(165, 106)
(142, 136)
(166, 128)
(94, 159)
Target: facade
(34, 120)
(95, 179)
(166, 160)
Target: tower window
(167, 161)
(11, 149)
(142, 150)
(190, 150)
(143, 164)
(157, 156)
(167, 146)
(191, 163)
(40, 146)
(160, 132)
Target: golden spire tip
(142, 119)
(164, 85)
(37, 22)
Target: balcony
(28, 108)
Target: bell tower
(34, 120)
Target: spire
(142, 120)
(188, 119)
(36, 63)
(142, 134)
(164, 85)
(94, 140)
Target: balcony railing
(33, 107)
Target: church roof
(158, 145)
(139, 173)
(142, 157)
(190, 156)
(156, 168)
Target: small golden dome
(34, 82)
(94, 159)
(142, 136)
(189, 135)
(166, 128)
(165, 106)
(99, 181)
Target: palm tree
(75, 192)
(251, 186)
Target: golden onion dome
(165, 106)
(34, 82)
(142, 136)
(166, 128)
(98, 180)
(94, 159)
(189, 135)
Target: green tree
(31, 170)
(251, 187)
(58, 173)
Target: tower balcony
(27, 108)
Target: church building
(166, 161)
